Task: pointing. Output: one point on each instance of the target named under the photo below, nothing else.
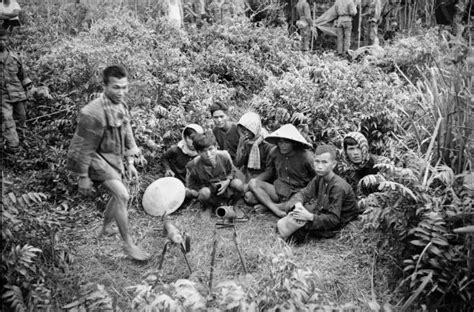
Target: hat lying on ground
(288, 132)
(164, 196)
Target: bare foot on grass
(259, 208)
(135, 252)
(108, 231)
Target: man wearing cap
(330, 201)
(225, 131)
(102, 139)
(292, 166)
(14, 85)
(212, 175)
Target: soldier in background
(390, 18)
(371, 10)
(345, 9)
(304, 23)
(14, 88)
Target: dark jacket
(333, 204)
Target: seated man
(358, 162)
(252, 151)
(212, 174)
(331, 201)
(177, 156)
(225, 131)
(292, 166)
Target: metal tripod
(219, 226)
(165, 248)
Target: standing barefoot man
(102, 139)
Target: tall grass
(445, 95)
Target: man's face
(245, 133)
(189, 141)
(116, 89)
(285, 146)
(3, 42)
(354, 153)
(220, 118)
(324, 164)
(208, 155)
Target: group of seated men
(274, 172)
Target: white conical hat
(288, 132)
(165, 195)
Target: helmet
(164, 196)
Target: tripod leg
(186, 259)
(238, 251)
(213, 258)
(163, 255)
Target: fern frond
(397, 187)
(14, 297)
(28, 199)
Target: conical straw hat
(165, 195)
(288, 132)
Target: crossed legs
(266, 194)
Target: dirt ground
(345, 272)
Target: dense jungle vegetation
(413, 103)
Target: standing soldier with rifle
(345, 9)
(14, 88)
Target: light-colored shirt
(345, 9)
(304, 12)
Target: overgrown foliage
(403, 103)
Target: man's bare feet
(108, 231)
(135, 252)
(259, 208)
